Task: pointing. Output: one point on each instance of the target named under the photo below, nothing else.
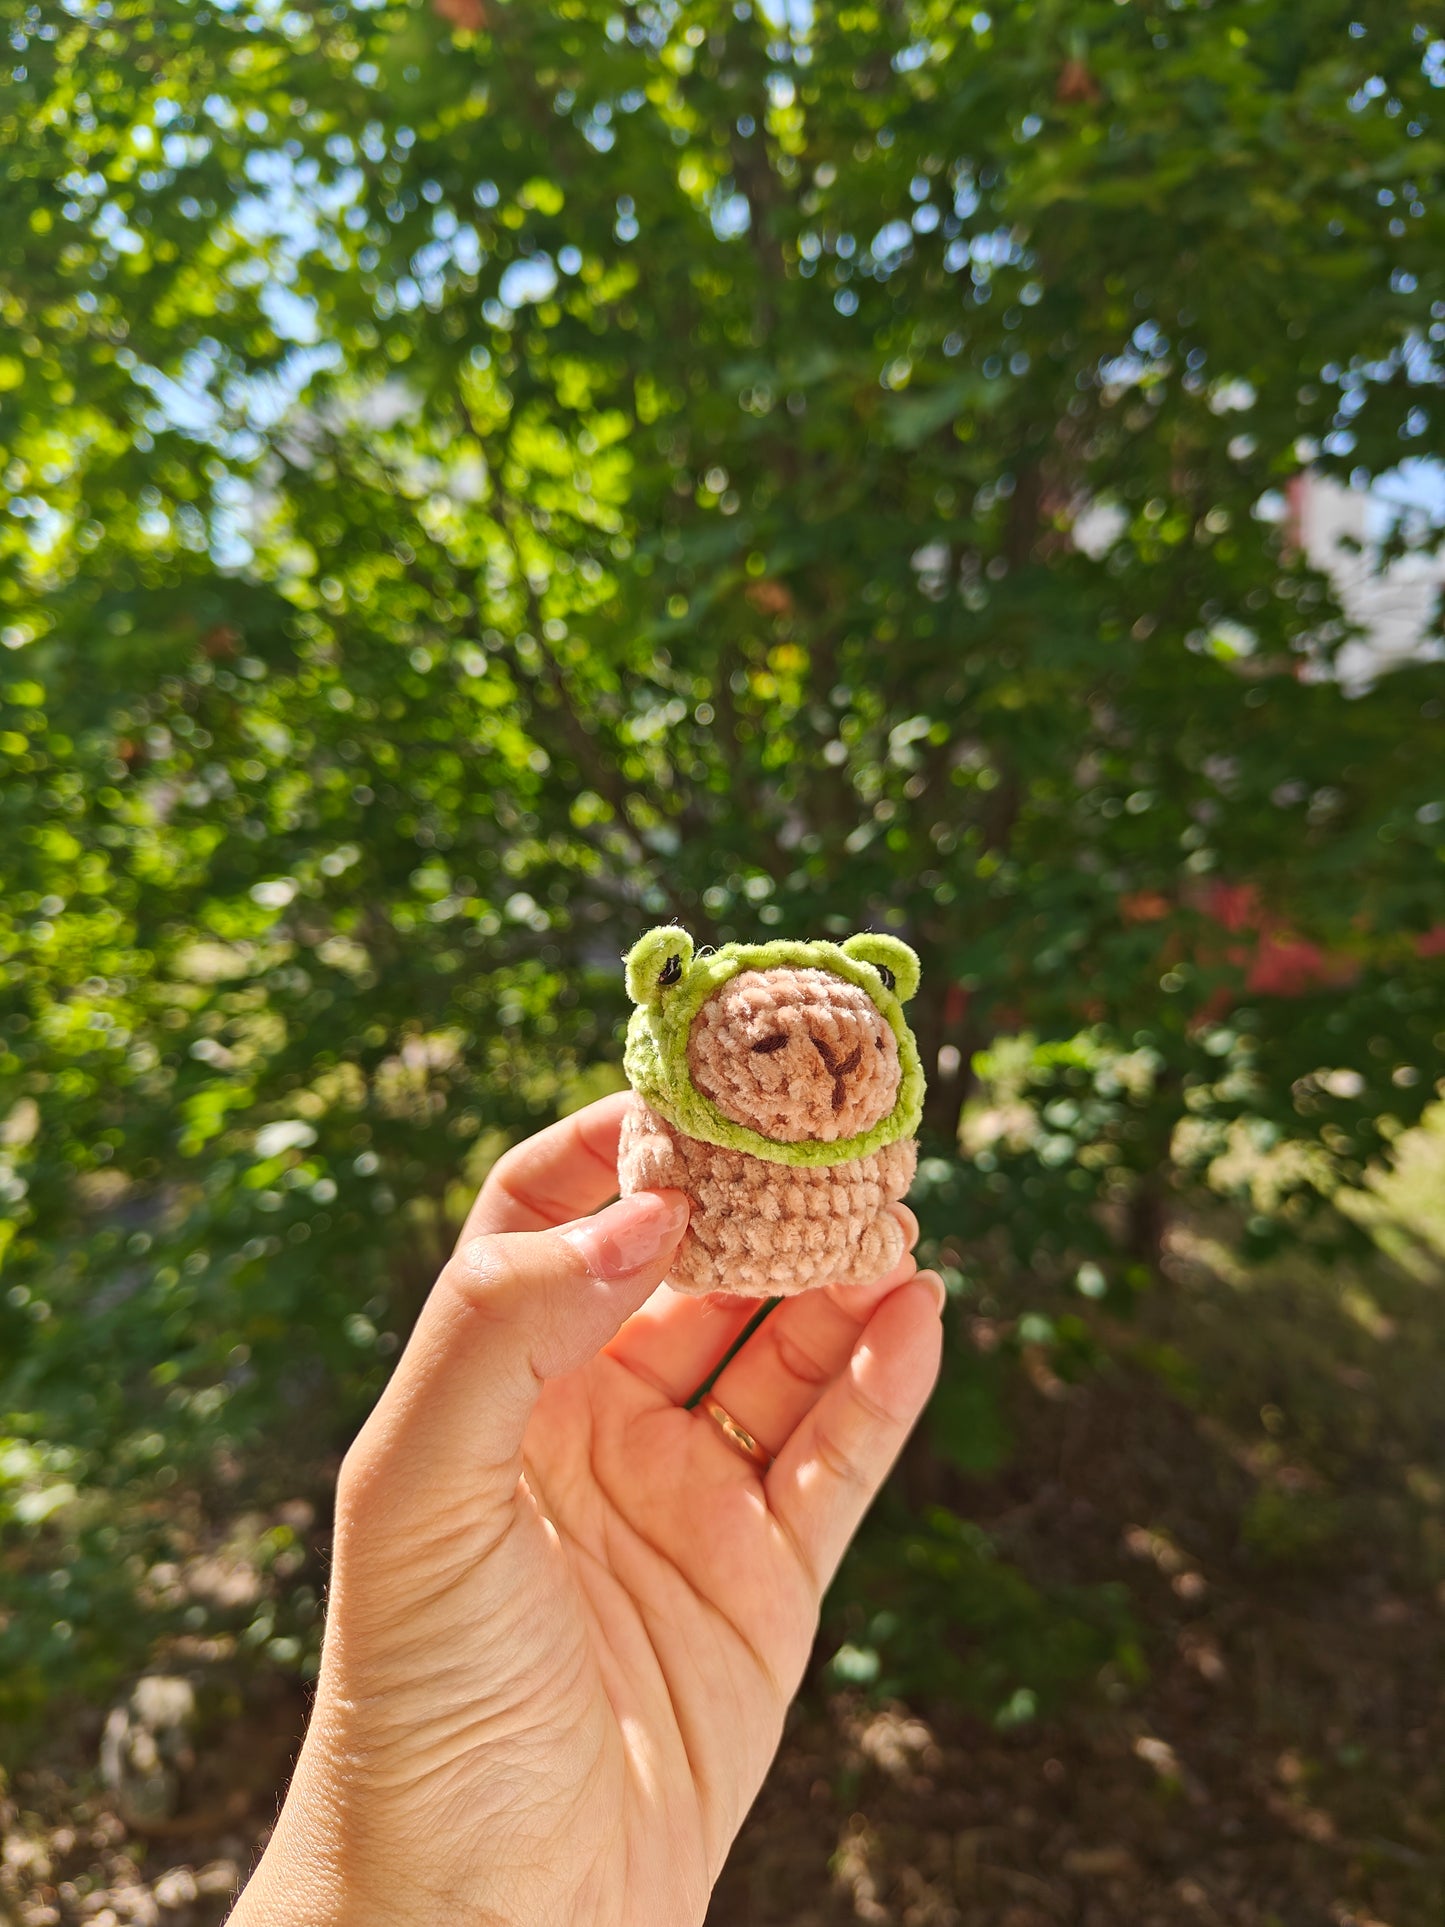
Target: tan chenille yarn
(763, 1230)
(796, 1054)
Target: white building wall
(1395, 605)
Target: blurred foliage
(935, 1613)
(480, 479)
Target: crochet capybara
(779, 1086)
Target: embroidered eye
(890, 982)
(671, 971)
(770, 1044)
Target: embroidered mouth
(839, 1069)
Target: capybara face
(796, 1054)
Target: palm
(695, 1612)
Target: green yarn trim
(656, 1055)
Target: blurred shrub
(1292, 1528)
(473, 492)
(929, 1611)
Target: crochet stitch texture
(779, 1085)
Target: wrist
(292, 1888)
(325, 1864)
(301, 1878)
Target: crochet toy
(779, 1086)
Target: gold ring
(737, 1435)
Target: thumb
(508, 1312)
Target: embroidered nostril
(770, 1044)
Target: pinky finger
(828, 1474)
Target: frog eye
(658, 962)
(890, 982)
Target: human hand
(567, 1615)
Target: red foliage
(469, 15)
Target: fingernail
(631, 1234)
(936, 1286)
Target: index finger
(562, 1173)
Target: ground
(1275, 1507)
